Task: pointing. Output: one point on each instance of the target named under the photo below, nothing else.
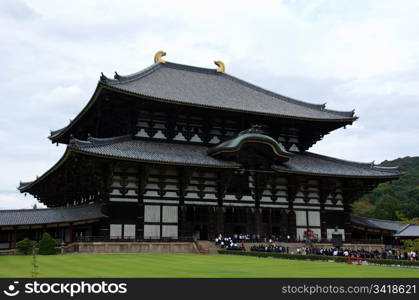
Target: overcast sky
(361, 55)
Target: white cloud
(17, 201)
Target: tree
(411, 245)
(363, 208)
(387, 207)
(47, 245)
(405, 190)
(406, 220)
(25, 246)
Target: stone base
(131, 247)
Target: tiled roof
(249, 136)
(160, 152)
(50, 215)
(152, 151)
(377, 223)
(308, 162)
(410, 230)
(22, 185)
(200, 87)
(189, 85)
(149, 151)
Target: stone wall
(137, 247)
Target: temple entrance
(200, 232)
(239, 229)
(276, 231)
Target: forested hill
(392, 200)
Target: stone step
(207, 247)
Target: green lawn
(186, 265)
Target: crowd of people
(362, 253)
(229, 243)
(236, 242)
(256, 238)
(359, 253)
(270, 248)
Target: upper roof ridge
(389, 168)
(127, 78)
(191, 68)
(94, 141)
(211, 89)
(135, 76)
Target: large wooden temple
(176, 151)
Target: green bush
(25, 246)
(319, 257)
(394, 262)
(47, 245)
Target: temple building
(175, 152)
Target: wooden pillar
(323, 221)
(258, 188)
(71, 233)
(182, 221)
(326, 186)
(269, 229)
(348, 193)
(249, 219)
(347, 222)
(284, 223)
(258, 221)
(14, 236)
(219, 219)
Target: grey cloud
(16, 10)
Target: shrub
(47, 245)
(25, 246)
(393, 262)
(411, 245)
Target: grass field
(186, 265)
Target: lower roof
(160, 152)
(14, 217)
(317, 164)
(126, 147)
(377, 223)
(400, 230)
(410, 230)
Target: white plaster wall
(170, 214)
(151, 213)
(115, 231)
(151, 231)
(129, 231)
(170, 231)
(301, 218)
(314, 218)
(300, 233)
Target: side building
(180, 152)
